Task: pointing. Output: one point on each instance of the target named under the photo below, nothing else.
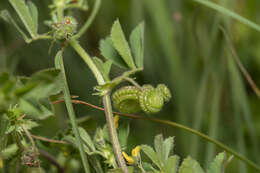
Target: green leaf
(29, 124)
(137, 44)
(123, 132)
(190, 166)
(47, 82)
(34, 14)
(151, 154)
(9, 151)
(168, 146)
(104, 67)
(163, 147)
(121, 45)
(35, 109)
(158, 145)
(7, 17)
(171, 164)
(229, 13)
(33, 93)
(109, 52)
(24, 13)
(217, 166)
(86, 138)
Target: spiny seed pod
(131, 99)
(66, 28)
(126, 99)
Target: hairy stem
(107, 104)
(71, 113)
(112, 130)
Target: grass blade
(229, 13)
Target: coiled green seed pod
(151, 100)
(126, 99)
(131, 99)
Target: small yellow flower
(130, 160)
(136, 151)
(1, 162)
(116, 119)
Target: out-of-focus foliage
(184, 48)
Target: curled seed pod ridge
(126, 99)
(165, 92)
(151, 100)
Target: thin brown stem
(240, 65)
(49, 140)
(30, 138)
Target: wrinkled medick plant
(29, 101)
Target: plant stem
(90, 19)
(48, 140)
(133, 82)
(71, 112)
(107, 104)
(112, 130)
(83, 54)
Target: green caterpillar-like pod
(131, 99)
(151, 100)
(126, 99)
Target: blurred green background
(185, 49)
